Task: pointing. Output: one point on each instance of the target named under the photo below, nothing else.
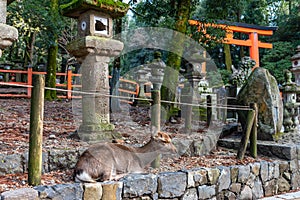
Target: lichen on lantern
(114, 8)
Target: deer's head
(162, 142)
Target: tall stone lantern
(93, 49)
(8, 34)
(296, 65)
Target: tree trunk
(51, 73)
(170, 82)
(52, 55)
(36, 131)
(114, 82)
(228, 60)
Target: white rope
(13, 84)
(229, 107)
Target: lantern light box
(95, 18)
(95, 24)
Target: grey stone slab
(206, 192)
(172, 184)
(270, 187)
(136, 185)
(10, 164)
(283, 185)
(246, 193)
(224, 179)
(266, 148)
(20, 194)
(264, 171)
(295, 180)
(190, 194)
(61, 191)
(213, 175)
(257, 190)
(196, 177)
(255, 167)
(244, 173)
(62, 159)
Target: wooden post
(36, 131)
(209, 109)
(69, 83)
(245, 138)
(155, 120)
(29, 80)
(253, 136)
(155, 111)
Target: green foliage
(277, 60)
(112, 3)
(255, 12)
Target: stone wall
(251, 181)
(52, 160)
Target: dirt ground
(61, 118)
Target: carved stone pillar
(3, 4)
(94, 55)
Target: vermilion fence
(127, 88)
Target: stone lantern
(296, 66)
(8, 34)
(193, 75)
(289, 94)
(142, 79)
(95, 18)
(93, 49)
(157, 67)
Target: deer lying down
(108, 161)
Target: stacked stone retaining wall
(251, 181)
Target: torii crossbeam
(253, 31)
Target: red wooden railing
(127, 87)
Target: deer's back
(105, 158)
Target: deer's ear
(164, 137)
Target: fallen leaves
(20, 180)
(59, 122)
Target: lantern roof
(10, 1)
(297, 55)
(114, 8)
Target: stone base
(103, 136)
(97, 133)
(142, 103)
(267, 148)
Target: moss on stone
(111, 7)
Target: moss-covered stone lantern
(93, 50)
(95, 17)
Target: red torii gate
(253, 31)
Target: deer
(112, 161)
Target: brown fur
(106, 161)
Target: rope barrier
(13, 84)
(229, 107)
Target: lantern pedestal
(94, 55)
